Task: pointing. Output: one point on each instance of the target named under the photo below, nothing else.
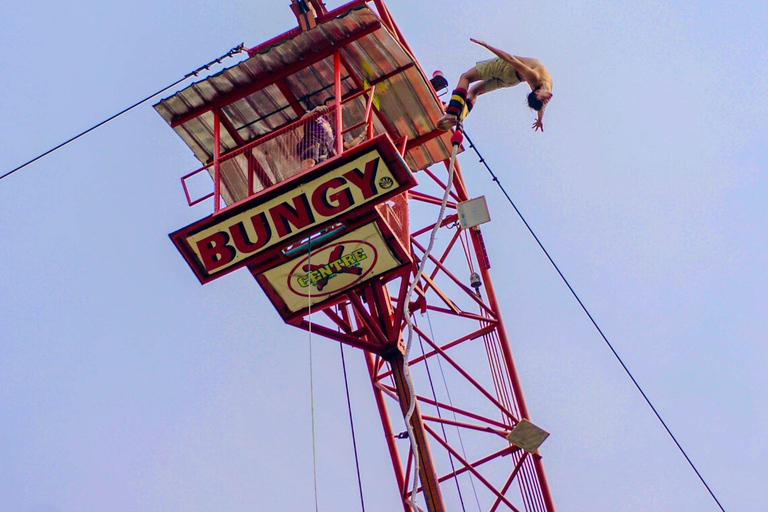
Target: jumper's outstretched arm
(528, 74)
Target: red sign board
(277, 217)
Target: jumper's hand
(481, 43)
(537, 125)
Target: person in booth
(319, 141)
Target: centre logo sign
(217, 245)
(318, 276)
(330, 270)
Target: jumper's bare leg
(449, 120)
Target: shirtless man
(505, 70)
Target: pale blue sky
(125, 385)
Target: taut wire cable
(583, 307)
(352, 427)
(230, 53)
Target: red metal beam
(337, 94)
(443, 185)
(447, 250)
(387, 17)
(386, 313)
(368, 321)
(427, 473)
(463, 412)
(392, 73)
(446, 300)
(450, 219)
(231, 130)
(466, 375)
(352, 341)
(418, 141)
(463, 314)
(399, 311)
(424, 198)
(470, 426)
(461, 285)
(471, 336)
(285, 90)
(216, 160)
(509, 450)
(343, 325)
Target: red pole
(337, 92)
(386, 16)
(389, 435)
(251, 170)
(368, 116)
(216, 162)
(429, 482)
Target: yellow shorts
(497, 74)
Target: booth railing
(275, 157)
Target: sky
(125, 385)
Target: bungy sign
(350, 260)
(232, 240)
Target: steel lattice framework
(242, 125)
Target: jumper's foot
(447, 122)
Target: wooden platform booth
(310, 143)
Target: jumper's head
(538, 98)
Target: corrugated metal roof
(405, 98)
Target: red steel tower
(328, 174)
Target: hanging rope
(311, 372)
(456, 140)
(352, 427)
(230, 53)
